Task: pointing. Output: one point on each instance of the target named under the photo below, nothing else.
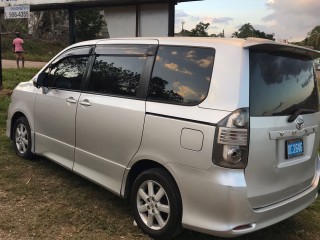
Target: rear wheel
(22, 138)
(157, 204)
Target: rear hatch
(284, 123)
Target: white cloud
(205, 63)
(222, 20)
(189, 21)
(186, 72)
(172, 66)
(181, 16)
(184, 91)
(159, 59)
(190, 54)
(292, 18)
(175, 67)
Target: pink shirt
(17, 42)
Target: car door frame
(114, 182)
(65, 157)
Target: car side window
(67, 73)
(116, 75)
(181, 75)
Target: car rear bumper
(215, 202)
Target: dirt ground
(27, 64)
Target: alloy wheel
(153, 205)
(21, 138)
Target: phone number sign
(21, 11)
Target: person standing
(18, 49)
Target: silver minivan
(219, 136)
(317, 64)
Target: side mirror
(41, 80)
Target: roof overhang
(58, 4)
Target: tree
(158, 90)
(89, 23)
(313, 38)
(247, 30)
(11, 26)
(200, 30)
(220, 35)
(46, 24)
(185, 33)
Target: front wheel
(22, 138)
(156, 203)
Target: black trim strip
(142, 91)
(181, 119)
(86, 79)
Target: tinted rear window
(181, 75)
(281, 83)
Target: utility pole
(182, 26)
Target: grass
(35, 50)
(11, 77)
(41, 200)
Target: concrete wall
(154, 21)
(141, 21)
(121, 21)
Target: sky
(288, 19)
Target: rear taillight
(230, 148)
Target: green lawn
(41, 200)
(35, 50)
(11, 77)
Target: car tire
(156, 203)
(22, 138)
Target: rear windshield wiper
(298, 112)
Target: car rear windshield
(281, 83)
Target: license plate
(294, 148)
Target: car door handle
(71, 100)
(85, 103)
